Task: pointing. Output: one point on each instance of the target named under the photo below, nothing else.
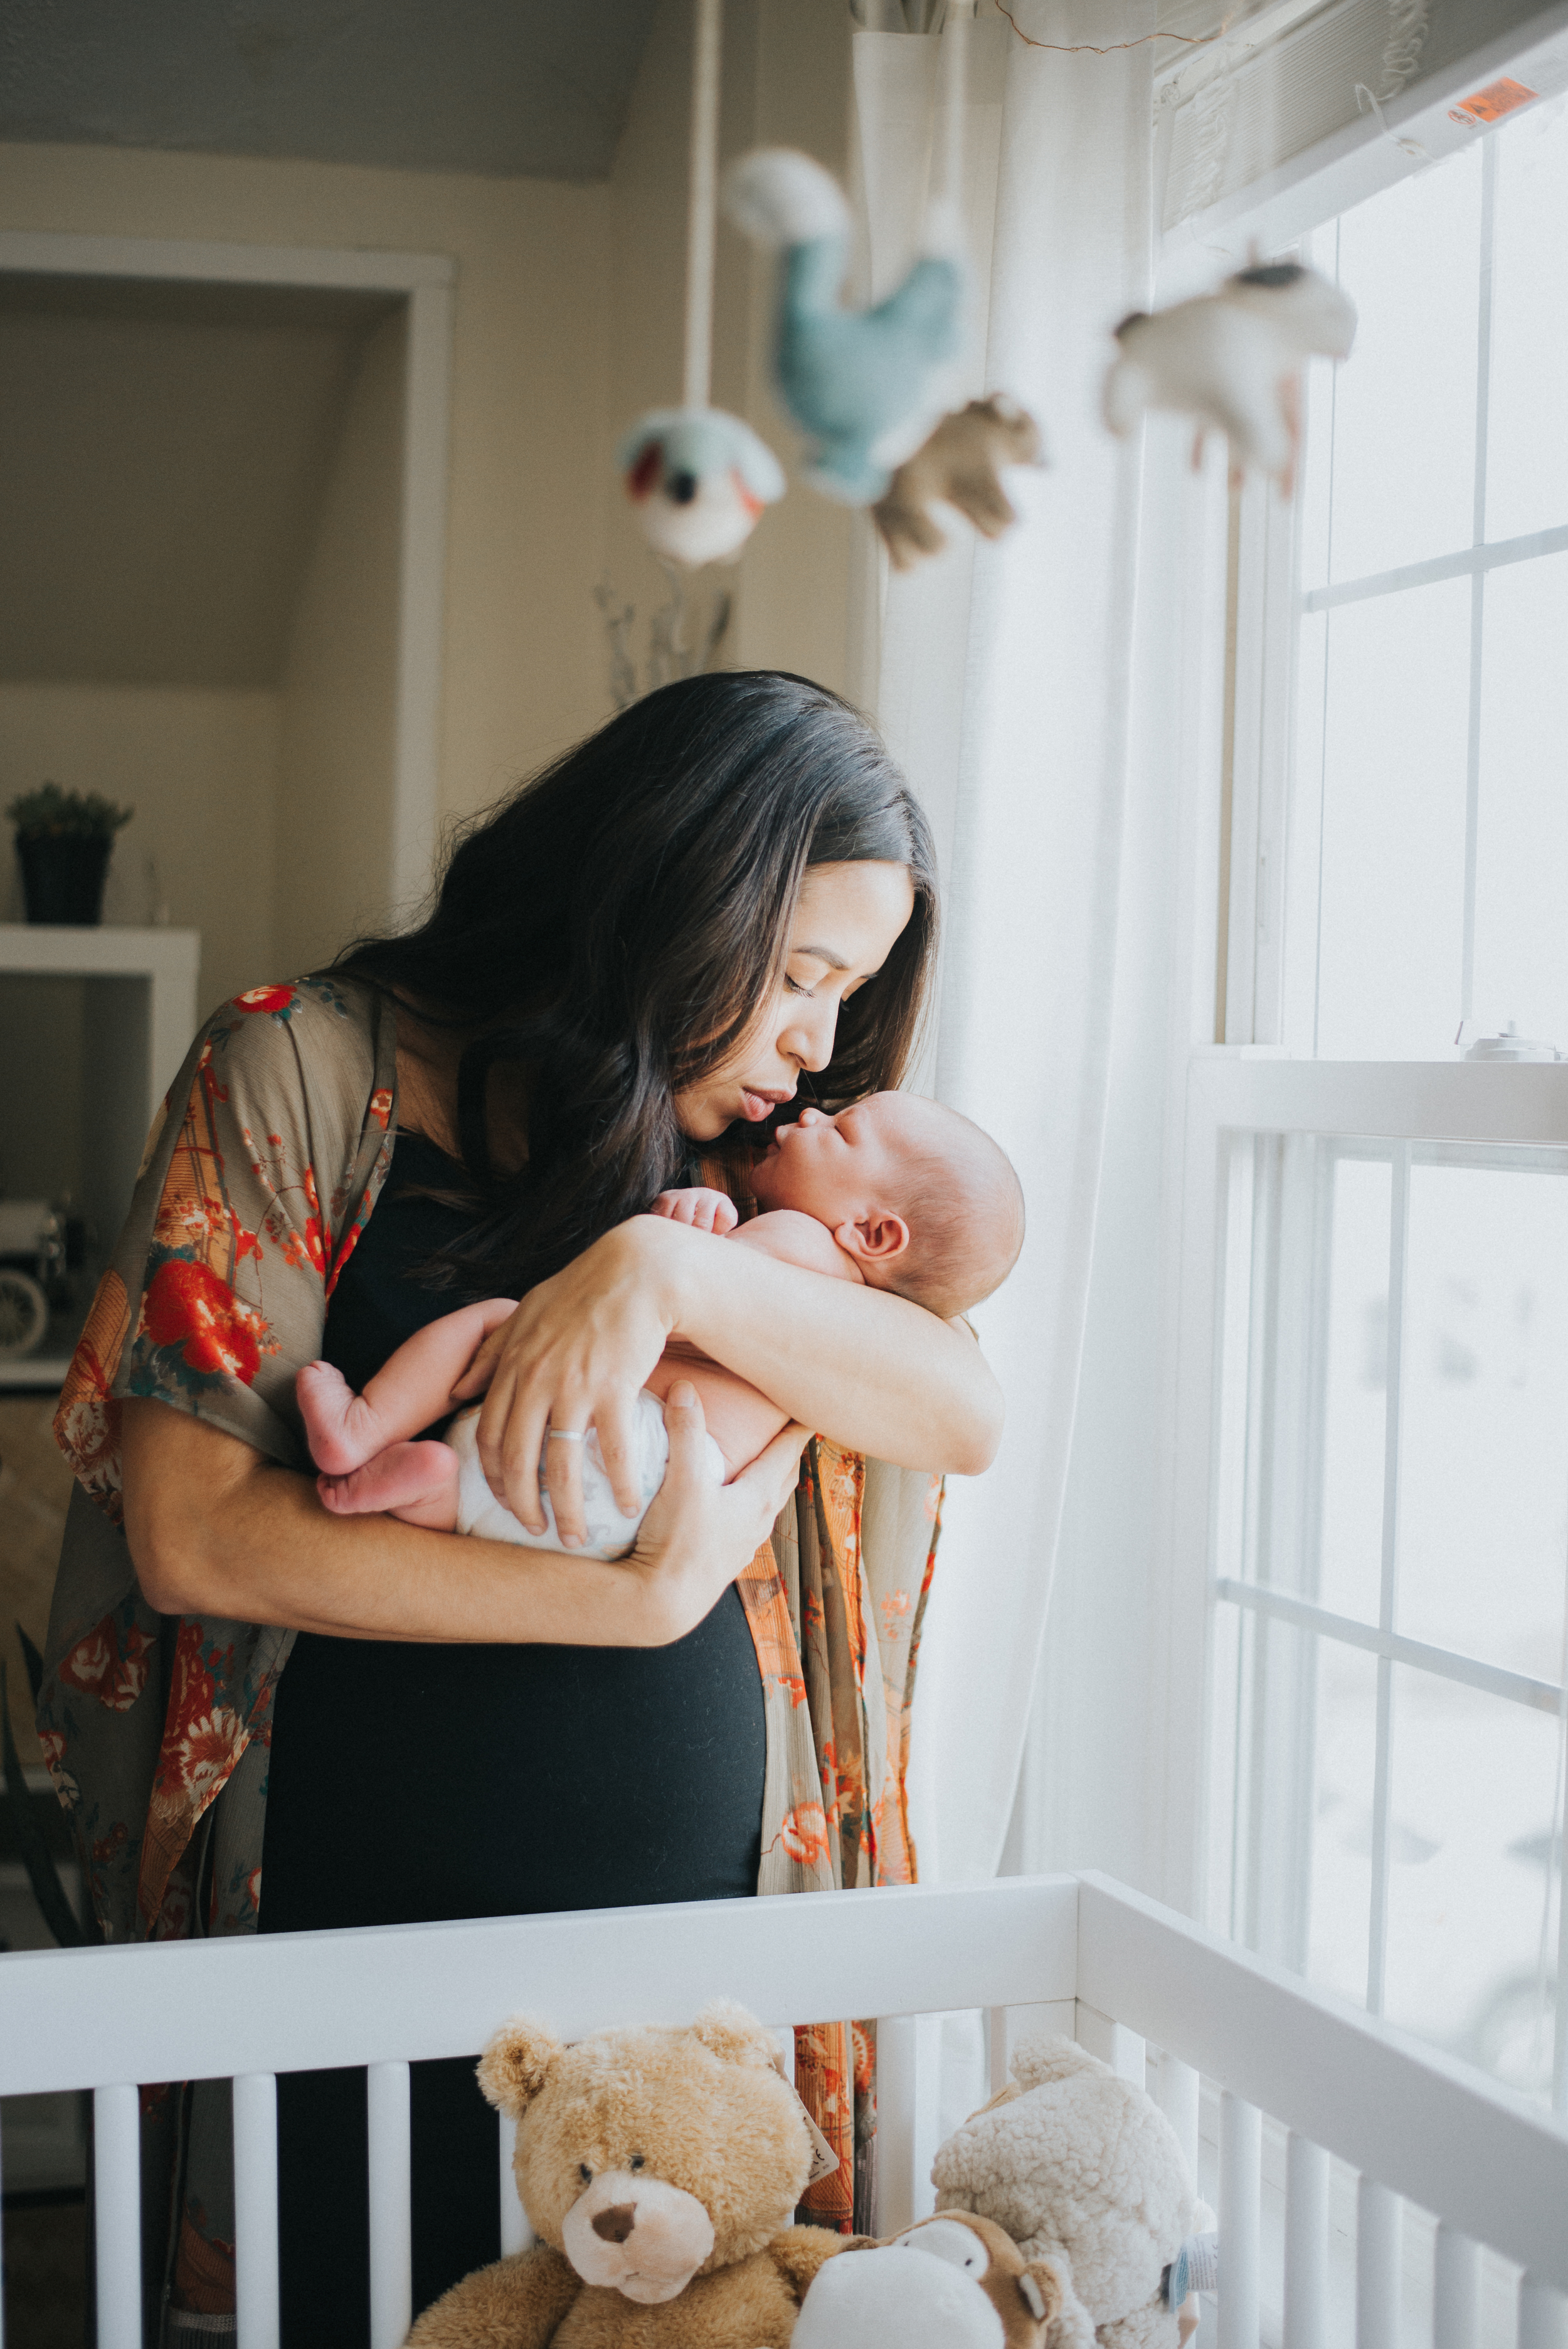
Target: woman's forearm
(873, 1372)
(214, 1529)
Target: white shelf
(139, 1017)
(43, 1370)
(101, 951)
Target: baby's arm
(740, 1419)
(412, 1389)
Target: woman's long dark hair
(613, 926)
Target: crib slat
(1240, 2168)
(1542, 2315)
(1378, 2214)
(516, 2234)
(907, 2088)
(1456, 2291)
(259, 2319)
(116, 2194)
(995, 2049)
(1113, 2043)
(391, 2223)
(1306, 2244)
(1179, 2087)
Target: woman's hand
(573, 1356)
(699, 1535)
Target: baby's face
(842, 1168)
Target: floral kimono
(256, 1183)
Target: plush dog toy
(660, 2171)
(698, 479)
(1082, 2169)
(961, 466)
(857, 382)
(958, 2283)
(1234, 360)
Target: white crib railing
(1120, 1971)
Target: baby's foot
(339, 1425)
(398, 1478)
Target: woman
(727, 891)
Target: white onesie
(609, 1534)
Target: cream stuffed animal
(1233, 360)
(1083, 2169)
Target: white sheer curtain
(1004, 687)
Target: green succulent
(50, 813)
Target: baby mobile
(865, 386)
(862, 385)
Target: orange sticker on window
(1488, 105)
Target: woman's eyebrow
(824, 955)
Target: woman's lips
(756, 1106)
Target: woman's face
(845, 925)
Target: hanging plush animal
(859, 383)
(960, 466)
(1234, 360)
(698, 479)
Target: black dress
(411, 1783)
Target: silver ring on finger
(565, 1435)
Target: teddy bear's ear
(728, 2032)
(512, 2068)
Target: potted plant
(63, 841)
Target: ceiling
(535, 88)
(163, 451)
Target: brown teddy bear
(660, 2169)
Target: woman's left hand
(573, 1356)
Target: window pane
(1404, 419)
(1483, 1436)
(1392, 924)
(1470, 1906)
(1527, 446)
(1356, 1382)
(1342, 1820)
(1522, 853)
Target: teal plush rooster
(862, 383)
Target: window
(1431, 814)
(1373, 1424)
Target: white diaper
(610, 1535)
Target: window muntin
(1431, 756)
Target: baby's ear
(512, 2069)
(878, 1237)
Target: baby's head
(926, 1204)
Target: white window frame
(1245, 1084)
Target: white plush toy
(698, 479)
(1083, 2169)
(1232, 359)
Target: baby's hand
(705, 1211)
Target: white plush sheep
(1083, 2169)
(1233, 360)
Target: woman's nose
(808, 1039)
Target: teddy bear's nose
(616, 2223)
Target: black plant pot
(63, 878)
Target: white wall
(200, 766)
(332, 818)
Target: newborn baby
(894, 1192)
